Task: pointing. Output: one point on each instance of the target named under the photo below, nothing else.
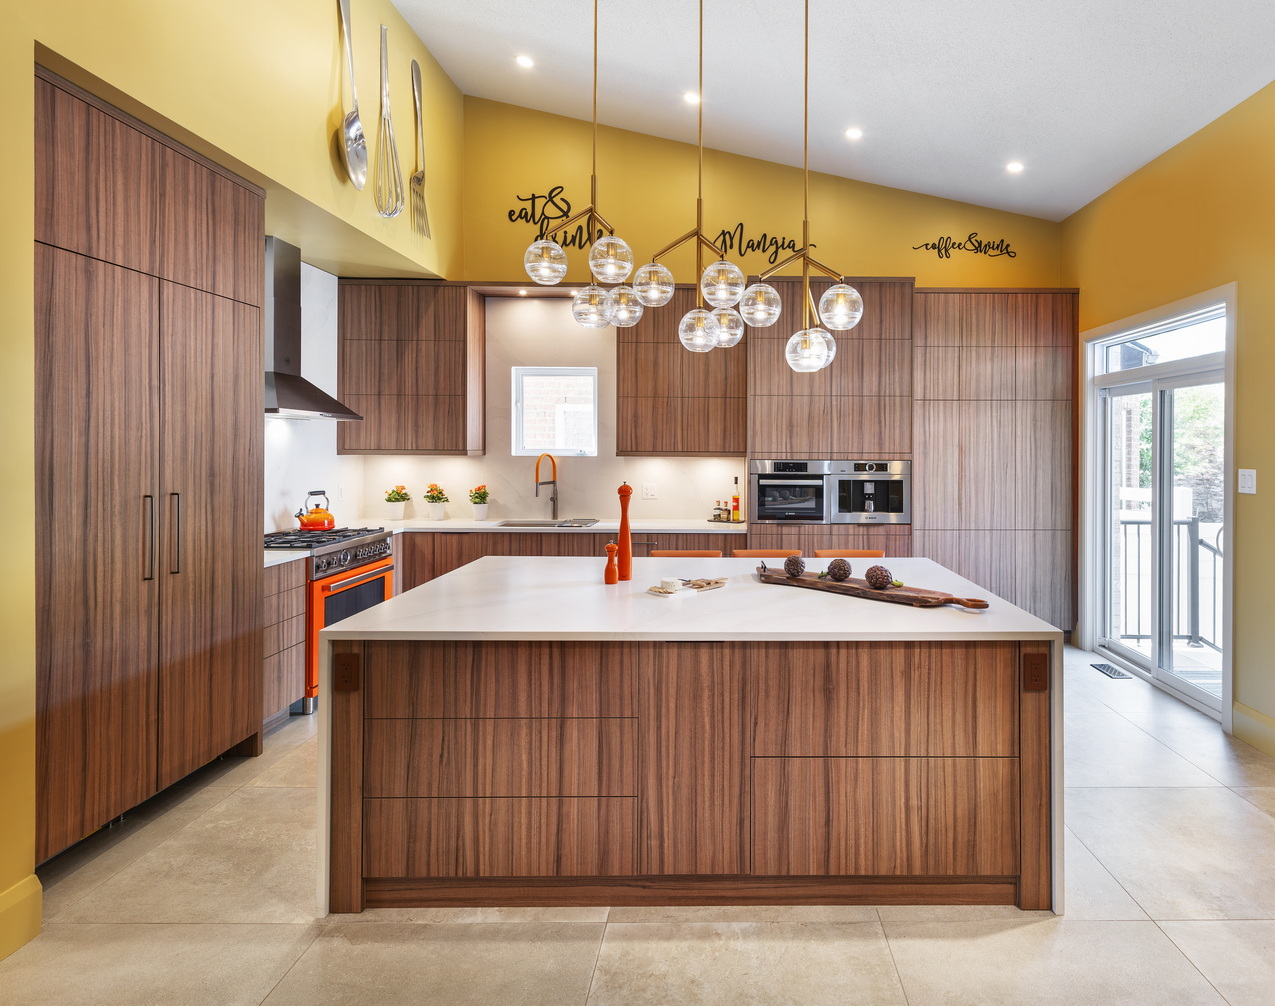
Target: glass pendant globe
(730, 326)
(722, 284)
(832, 348)
(628, 309)
(807, 351)
(610, 259)
(653, 284)
(593, 307)
(698, 331)
(840, 307)
(545, 262)
(760, 305)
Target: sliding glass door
(1160, 465)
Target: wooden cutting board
(917, 596)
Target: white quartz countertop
(667, 525)
(539, 597)
(278, 556)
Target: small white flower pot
(397, 510)
(437, 511)
(480, 511)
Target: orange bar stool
(705, 553)
(849, 553)
(765, 553)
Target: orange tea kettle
(317, 518)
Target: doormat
(1109, 671)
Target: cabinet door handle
(175, 510)
(648, 544)
(149, 517)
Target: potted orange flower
(436, 497)
(478, 496)
(396, 499)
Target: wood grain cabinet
(993, 489)
(860, 406)
(411, 364)
(149, 452)
(283, 638)
(670, 401)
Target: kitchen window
(555, 410)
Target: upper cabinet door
(96, 181)
(97, 387)
(411, 363)
(210, 528)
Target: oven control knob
(344, 558)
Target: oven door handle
(814, 480)
(358, 578)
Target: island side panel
(694, 786)
(1035, 887)
(346, 800)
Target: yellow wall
(646, 189)
(1199, 216)
(257, 86)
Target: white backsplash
(300, 455)
(541, 332)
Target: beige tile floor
(205, 896)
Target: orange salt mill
(612, 572)
(626, 539)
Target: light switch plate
(650, 491)
(1248, 480)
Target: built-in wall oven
(349, 570)
(831, 492)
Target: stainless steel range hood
(288, 394)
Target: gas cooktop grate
(315, 539)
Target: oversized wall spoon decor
(353, 142)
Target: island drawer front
(284, 576)
(284, 605)
(500, 757)
(468, 679)
(279, 636)
(571, 837)
(885, 817)
(885, 699)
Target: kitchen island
(517, 733)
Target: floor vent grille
(1109, 671)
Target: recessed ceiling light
(526, 62)
(691, 98)
(1014, 167)
(854, 133)
(522, 293)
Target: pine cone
(839, 570)
(878, 577)
(793, 565)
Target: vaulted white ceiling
(947, 92)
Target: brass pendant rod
(593, 195)
(805, 168)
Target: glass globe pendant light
(610, 259)
(698, 331)
(545, 262)
(807, 351)
(730, 327)
(840, 307)
(653, 284)
(760, 305)
(722, 284)
(593, 307)
(832, 349)
(628, 308)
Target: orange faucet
(552, 481)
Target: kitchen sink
(569, 522)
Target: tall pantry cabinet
(148, 289)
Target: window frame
(517, 446)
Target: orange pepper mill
(612, 572)
(626, 538)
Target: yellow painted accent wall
(646, 190)
(258, 87)
(1199, 216)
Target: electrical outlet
(650, 491)
(1248, 480)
